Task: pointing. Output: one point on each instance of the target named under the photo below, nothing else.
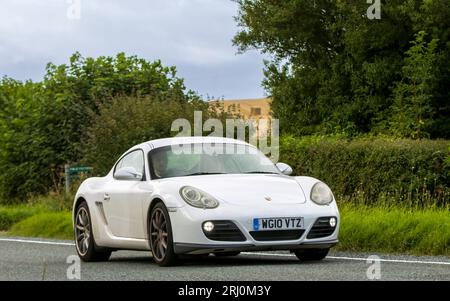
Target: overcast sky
(194, 35)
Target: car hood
(247, 189)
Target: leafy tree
(413, 110)
(30, 139)
(86, 83)
(43, 125)
(333, 70)
(447, 161)
(127, 121)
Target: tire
(311, 254)
(160, 236)
(85, 244)
(226, 254)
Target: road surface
(37, 259)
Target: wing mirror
(284, 168)
(128, 174)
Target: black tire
(311, 254)
(227, 254)
(87, 249)
(160, 236)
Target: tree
(20, 138)
(413, 112)
(86, 83)
(332, 69)
(126, 121)
(43, 124)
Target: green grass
(47, 224)
(395, 230)
(10, 215)
(43, 216)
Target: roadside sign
(73, 172)
(80, 169)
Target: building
(246, 108)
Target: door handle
(106, 197)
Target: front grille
(274, 235)
(321, 228)
(225, 231)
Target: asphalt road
(35, 259)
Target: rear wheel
(160, 236)
(311, 254)
(84, 237)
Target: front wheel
(311, 254)
(84, 237)
(160, 236)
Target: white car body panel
(120, 222)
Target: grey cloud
(194, 35)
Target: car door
(123, 199)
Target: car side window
(134, 159)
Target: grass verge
(43, 216)
(10, 215)
(395, 230)
(46, 224)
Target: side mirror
(284, 168)
(128, 174)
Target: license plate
(278, 223)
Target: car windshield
(208, 159)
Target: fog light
(208, 226)
(332, 222)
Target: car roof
(187, 140)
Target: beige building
(246, 108)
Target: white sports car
(202, 195)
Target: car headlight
(321, 194)
(197, 198)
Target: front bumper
(185, 248)
(189, 238)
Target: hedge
(374, 170)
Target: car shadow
(214, 261)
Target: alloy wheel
(82, 231)
(159, 234)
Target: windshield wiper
(261, 172)
(204, 174)
(222, 173)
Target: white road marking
(42, 242)
(356, 258)
(55, 243)
(393, 260)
